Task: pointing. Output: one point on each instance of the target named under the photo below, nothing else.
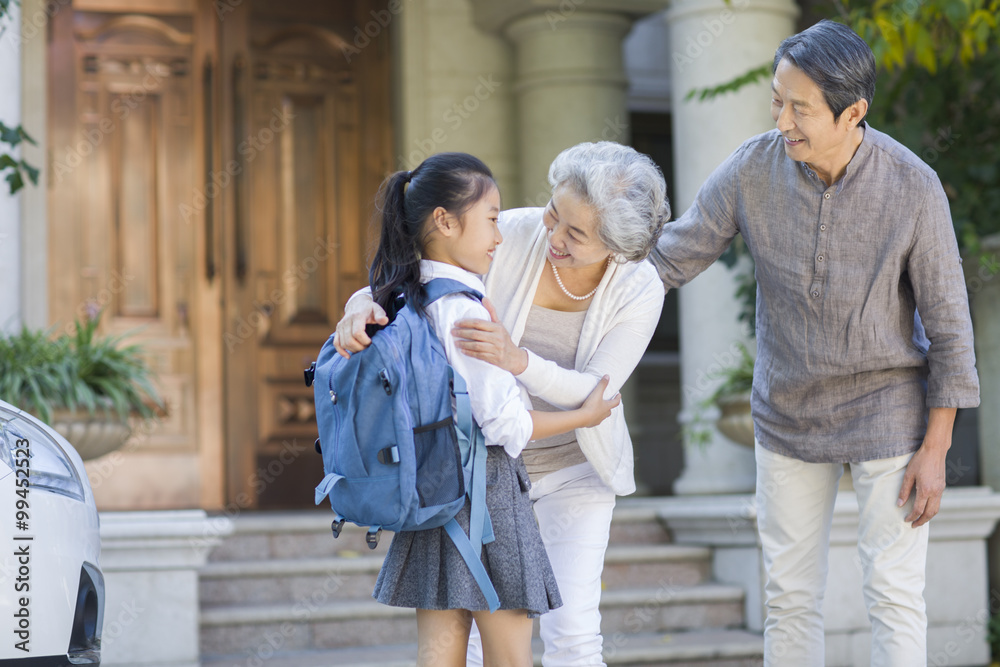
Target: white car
(51, 586)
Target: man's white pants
(794, 513)
(573, 507)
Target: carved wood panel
(303, 206)
(121, 144)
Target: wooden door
(308, 146)
(212, 173)
(122, 117)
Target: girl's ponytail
(453, 181)
(395, 268)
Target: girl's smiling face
(478, 234)
(572, 231)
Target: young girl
(440, 220)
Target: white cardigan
(616, 330)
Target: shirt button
(822, 228)
(819, 258)
(815, 294)
(826, 196)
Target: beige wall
(454, 90)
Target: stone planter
(736, 422)
(92, 436)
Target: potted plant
(732, 401)
(89, 388)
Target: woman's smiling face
(572, 231)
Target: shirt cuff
(514, 446)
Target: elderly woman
(570, 286)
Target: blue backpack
(393, 456)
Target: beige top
(553, 335)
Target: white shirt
(497, 403)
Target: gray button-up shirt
(844, 372)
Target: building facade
(209, 169)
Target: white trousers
(794, 513)
(573, 507)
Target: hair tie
(409, 176)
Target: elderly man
(864, 339)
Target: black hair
(836, 59)
(453, 181)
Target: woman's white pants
(794, 514)
(573, 507)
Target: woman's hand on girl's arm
(489, 342)
(351, 336)
(593, 411)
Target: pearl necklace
(559, 281)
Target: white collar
(430, 269)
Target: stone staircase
(281, 592)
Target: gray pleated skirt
(423, 569)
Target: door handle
(239, 135)
(209, 139)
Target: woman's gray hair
(626, 190)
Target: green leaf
(31, 171)
(923, 47)
(733, 85)
(15, 180)
(14, 135)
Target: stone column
(570, 86)
(11, 315)
(713, 42)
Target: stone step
(711, 648)
(636, 521)
(322, 621)
(306, 534)
(353, 575)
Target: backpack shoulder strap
(439, 287)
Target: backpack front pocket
(439, 463)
